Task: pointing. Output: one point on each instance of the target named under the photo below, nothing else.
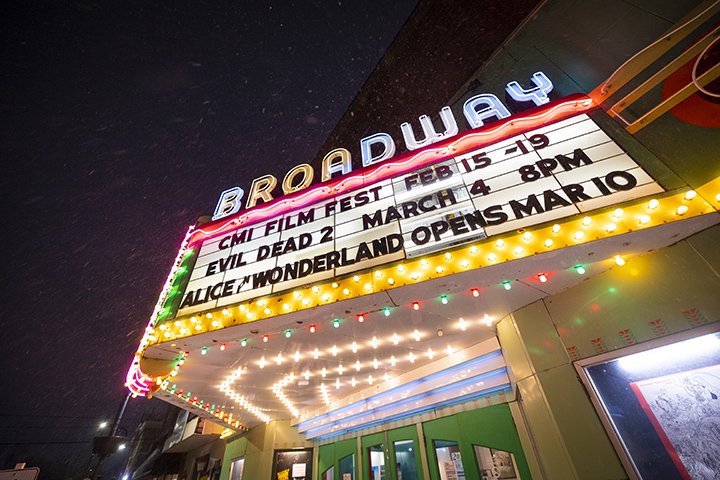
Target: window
(328, 474)
(661, 406)
(236, 469)
(405, 465)
(347, 467)
(376, 460)
(449, 460)
(493, 463)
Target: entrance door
(405, 454)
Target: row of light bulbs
(422, 269)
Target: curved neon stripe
(408, 162)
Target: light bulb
(619, 261)
(542, 277)
(416, 306)
(506, 284)
(475, 292)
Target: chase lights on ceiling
(379, 147)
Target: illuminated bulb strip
(325, 394)
(400, 165)
(136, 381)
(226, 388)
(277, 389)
(219, 415)
(603, 224)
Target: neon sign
(379, 147)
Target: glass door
(405, 462)
(376, 461)
(449, 460)
(347, 467)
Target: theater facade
(522, 283)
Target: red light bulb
(416, 306)
(222, 347)
(266, 338)
(313, 328)
(361, 318)
(542, 277)
(475, 292)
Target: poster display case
(661, 404)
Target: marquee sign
(554, 171)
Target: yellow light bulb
(644, 219)
(548, 243)
(653, 204)
(586, 221)
(682, 210)
(619, 261)
(690, 194)
(579, 235)
(611, 227)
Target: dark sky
(121, 124)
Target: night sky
(122, 123)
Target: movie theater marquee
(552, 172)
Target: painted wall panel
(553, 455)
(652, 295)
(513, 349)
(541, 341)
(585, 439)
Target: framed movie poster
(495, 464)
(295, 464)
(660, 404)
(684, 409)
